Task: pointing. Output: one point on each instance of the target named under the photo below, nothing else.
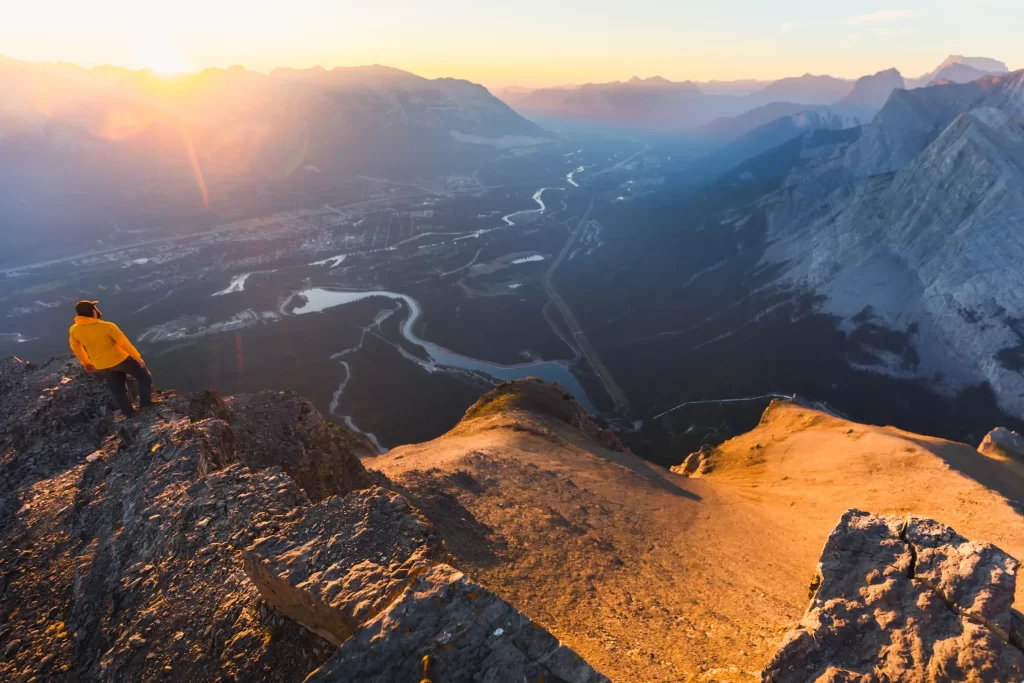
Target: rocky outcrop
(208, 539)
(543, 400)
(125, 565)
(1003, 443)
(283, 429)
(446, 628)
(905, 600)
(697, 463)
(343, 561)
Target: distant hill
(806, 89)
(731, 127)
(654, 104)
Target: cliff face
(224, 540)
(246, 539)
(915, 227)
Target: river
(320, 299)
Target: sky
(526, 42)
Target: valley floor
(654, 576)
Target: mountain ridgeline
(658, 105)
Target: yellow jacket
(100, 343)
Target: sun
(163, 59)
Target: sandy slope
(656, 577)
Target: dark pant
(117, 378)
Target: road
(583, 344)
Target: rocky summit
(245, 538)
(237, 539)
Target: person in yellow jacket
(104, 351)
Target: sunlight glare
(163, 58)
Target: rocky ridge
(173, 547)
(213, 539)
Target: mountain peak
(960, 69)
(869, 94)
(985, 64)
(653, 81)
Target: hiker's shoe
(151, 403)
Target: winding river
(320, 299)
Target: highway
(582, 343)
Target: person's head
(88, 309)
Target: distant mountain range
(660, 105)
(738, 138)
(720, 108)
(107, 145)
(647, 104)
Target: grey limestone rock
(905, 600)
(343, 561)
(447, 628)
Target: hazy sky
(529, 42)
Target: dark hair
(86, 309)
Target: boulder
(283, 429)
(904, 600)
(447, 628)
(697, 463)
(208, 403)
(343, 562)
(1004, 443)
